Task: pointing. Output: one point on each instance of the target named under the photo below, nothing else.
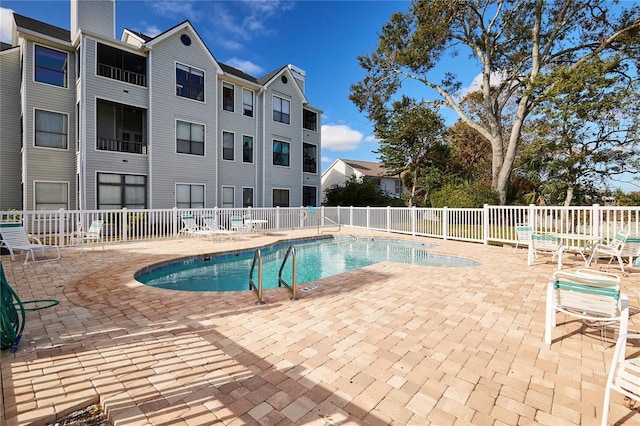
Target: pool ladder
(257, 260)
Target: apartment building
(89, 121)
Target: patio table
(257, 225)
(578, 243)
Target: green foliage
(464, 195)
(522, 49)
(358, 193)
(630, 199)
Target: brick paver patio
(387, 344)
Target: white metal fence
(483, 225)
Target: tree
(516, 44)
(411, 139)
(587, 131)
(358, 193)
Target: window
(51, 129)
(189, 82)
(51, 195)
(227, 146)
(281, 109)
(121, 65)
(189, 196)
(280, 153)
(309, 196)
(51, 66)
(190, 138)
(78, 63)
(247, 149)
(228, 195)
(247, 102)
(280, 198)
(309, 120)
(227, 97)
(118, 191)
(398, 186)
(309, 158)
(247, 197)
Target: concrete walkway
(387, 344)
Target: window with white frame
(280, 198)
(228, 93)
(51, 129)
(189, 196)
(228, 146)
(51, 66)
(189, 82)
(247, 197)
(228, 196)
(51, 195)
(247, 102)
(247, 149)
(280, 153)
(116, 191)
(189, 138)
(309, 197)
(281, 110)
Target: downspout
(150, 129)
(255, 175)
(83, 125)
(264, 147)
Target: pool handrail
(257, 257)
(293, 287)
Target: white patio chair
(592, 296)
(545, 244)
(523, 233)
(612, 249)
(624, 376)
(212, 229)
(189, 225)
(93, 234)
(15, 238)
(238, 225)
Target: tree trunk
(569, 197)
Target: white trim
(276, 188)
(34, 130)
(35, 181)
(253, 99)
(253, 149)
(222, 195)
(234, 146)
(67, 85)
(190, 184)
(233, 87)
(204, 83)
(175, 139)
(253, 196)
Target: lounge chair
(15, 238)
(592, 296)
(189, 226)
(212, 229)
(545, 244)
(93, 234)
(523, 232)
(624, 376)
(612, 249)
(238, 225)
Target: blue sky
(324, 38)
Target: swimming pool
(316, 259)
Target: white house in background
(341, 170)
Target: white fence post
(350, 215)
(445, 222)
(485, 224)
(388, 218)
(123, 221)
(531, 216)
(595, 220)
(414, 220)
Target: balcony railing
(122, 75)
(116, 145)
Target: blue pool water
(315, 259)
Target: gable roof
(5, 46)
(268, 78)
(368, 168)
(42, 28)
(237, 73)
(145, 38)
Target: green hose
(12, 313)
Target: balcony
(122, 65)
(118, 145)
(122, 75)
(121, 128)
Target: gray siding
(98, 17)
(237, 173)
(167, 166)
(10, 157)
(282, 177)
(47, 164)
(103, 88)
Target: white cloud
(152, 31)
(245, 66)
(496, 78)
(325, 159)
(372, 139)
(339, 137)
(173, 9)
(6, 24)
